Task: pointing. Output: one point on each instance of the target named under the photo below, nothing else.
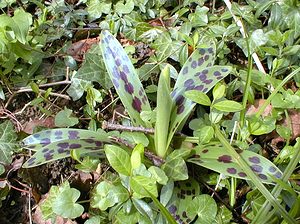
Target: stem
(243, 164)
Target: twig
(11, 116)
(111, 126)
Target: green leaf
(219, 91)
(205, 134)
(175, 167)
(143, 208)
(163, 113)
(137, 156)
(97, 7)
(199, 17)
(198, 73)
(198, 97)
(51, 145)
(205, 207)
(64, 118)
(119, 159)
(228, 106)
(124, 78)
(108, 194)
(21, 24)
(124, 8)
(138, 185)
(214, 158)
(158, 174)
(8, 143)
(65, 203)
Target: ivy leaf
(175, 167)
(65, 203)
(108, 194)
(8, 143)
(21, 24)
(97, 7)
(119, 159)
(64, 118)
(205, 207)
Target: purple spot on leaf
(202, 51)
(116, 83)
(206, 57)
(45, 141)
(123, 76)
(191, 87)
(179, 100)
(225, 159)
(278, 175)
(137, 104)
(31, 161)
(58, 133)
(242, 174)
(262, 176)
(217, 73)
(256, 168)
(210, 50)
(205, 151)
(205, 71)
(199, 87)
(48, 156)
(185, 70)
(98, 143)
(75, 146)
(254, 159)
(118, 61)
(36, 135)
(172, 209)
(231, 170)
(224, 70)
(202, 77)
(219, 77)
(209, 81)
(200, 61)
(180, 109)
(129, 88)
(194, 64)
(188, 82)
(63, 145)
(73, 134)
(125, 69)
(205, 90)
(272, 169)
(45, 150)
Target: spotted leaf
(183, 194)
(214, 158)
(198, 73)
(124, 78)
(51, 145)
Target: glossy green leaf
(108, 194)
(119, 159)
(158, 174)
(175, 166)
(228, 106)
(64, 118)
(215, 158)
(137, 155)
(65, 203)
(163, 113)
(54, 144)
(198, 97)
(143, 208)
(138, 185)
(124, 78)
(198, 73)
(205, 134)
(8, 143)
(205, 207)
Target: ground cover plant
(150, 112)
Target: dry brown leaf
(30, 125)
(79, 48)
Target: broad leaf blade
(44, 138)
(124, 78)
(215, 158)
(8, 142)
(198, 73)
(62, 149)
(163, 113)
